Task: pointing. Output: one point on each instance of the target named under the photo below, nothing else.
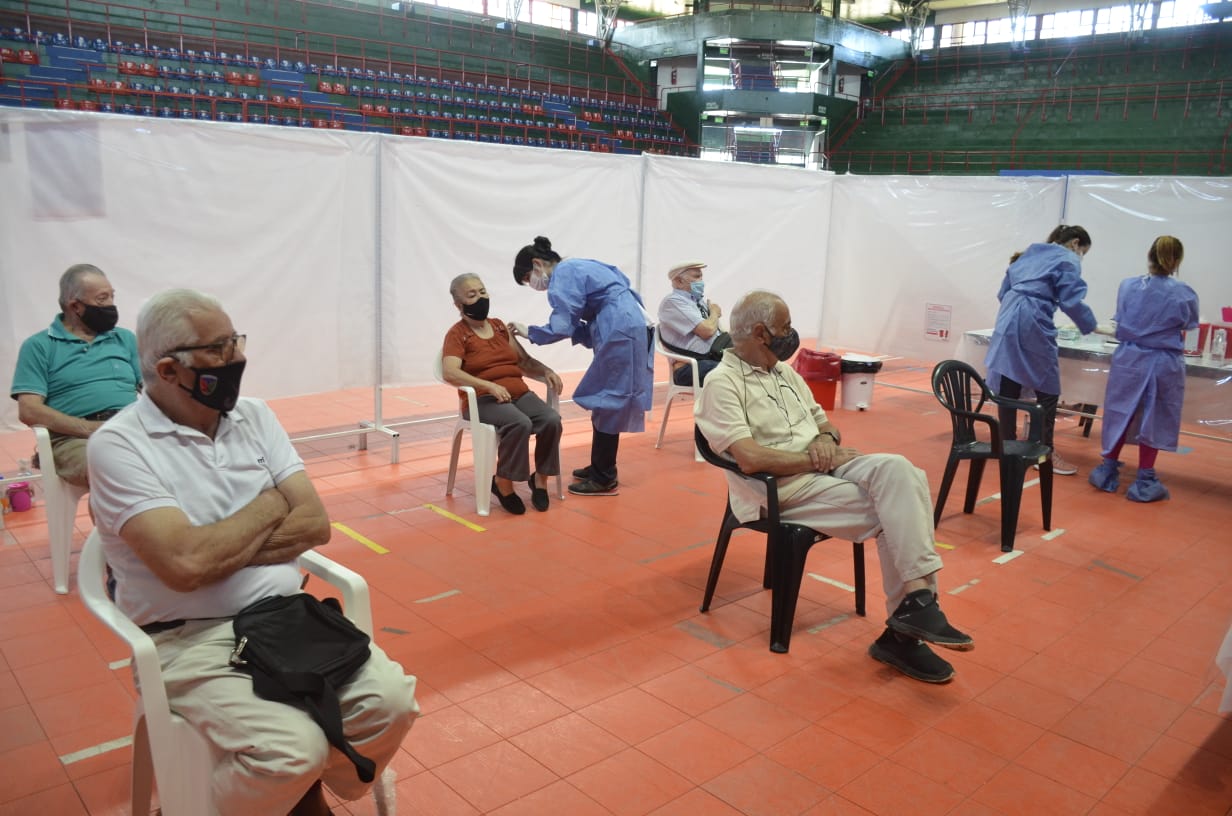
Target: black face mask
(219, 387)
(784, 345)
(99, 319)
(477, 310)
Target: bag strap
(320, 699)
(713, 354)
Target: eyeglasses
(224, 349)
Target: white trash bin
(859, 371)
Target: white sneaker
(1061, 467)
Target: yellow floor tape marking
(443, 512)
(367, 542)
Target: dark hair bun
(543, 244)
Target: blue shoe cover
(1147, 488)
(1106, 476)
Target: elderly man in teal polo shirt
(74, 376)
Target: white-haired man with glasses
(203, 506)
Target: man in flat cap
(689, 324)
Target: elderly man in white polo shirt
(203, 506)
(689, 323)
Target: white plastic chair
(483, 442)
(166, 749)
(674, 390)
(62, 499)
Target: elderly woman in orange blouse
(479, 351)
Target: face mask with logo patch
(218, 387)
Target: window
(947, 36)
(1181, 13)
(1067, 24)
(476, 6)
(1113, 20)
(550, 14)
(588, 23)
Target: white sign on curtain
(937, 319)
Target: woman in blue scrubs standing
(594, 304)
(1146, 383)
(1023, 351)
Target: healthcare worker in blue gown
(1023, 351)
(594, 304)
(1146, 383)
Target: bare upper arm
(450, 366)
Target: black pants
(603, 447)
(1008, 416)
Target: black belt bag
(721, 343)
(301, 650)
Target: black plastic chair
(787, 547)
(963, 392)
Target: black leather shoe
(919, 616)
(911, 657)
(583, 475)
(538, 495)
(512, 502)
(590, 487)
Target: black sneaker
(583, 474)
(538, 495)
(589, 487)
(512, 502)
(911, 657)
(919, 616)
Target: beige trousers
(880, 494)
(275, 752)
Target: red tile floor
(564, 667)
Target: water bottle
(1219, 345)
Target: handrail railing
(1132, 162)
(1103, 46)
(1171, 90)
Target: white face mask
(538, 281)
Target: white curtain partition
(453, 207)
(334, 250)
(278, 223)
(899, 243)
(756, 228)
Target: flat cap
(680, 268)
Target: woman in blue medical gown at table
(594, 304)
(1023, 349)
(1146, 383)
